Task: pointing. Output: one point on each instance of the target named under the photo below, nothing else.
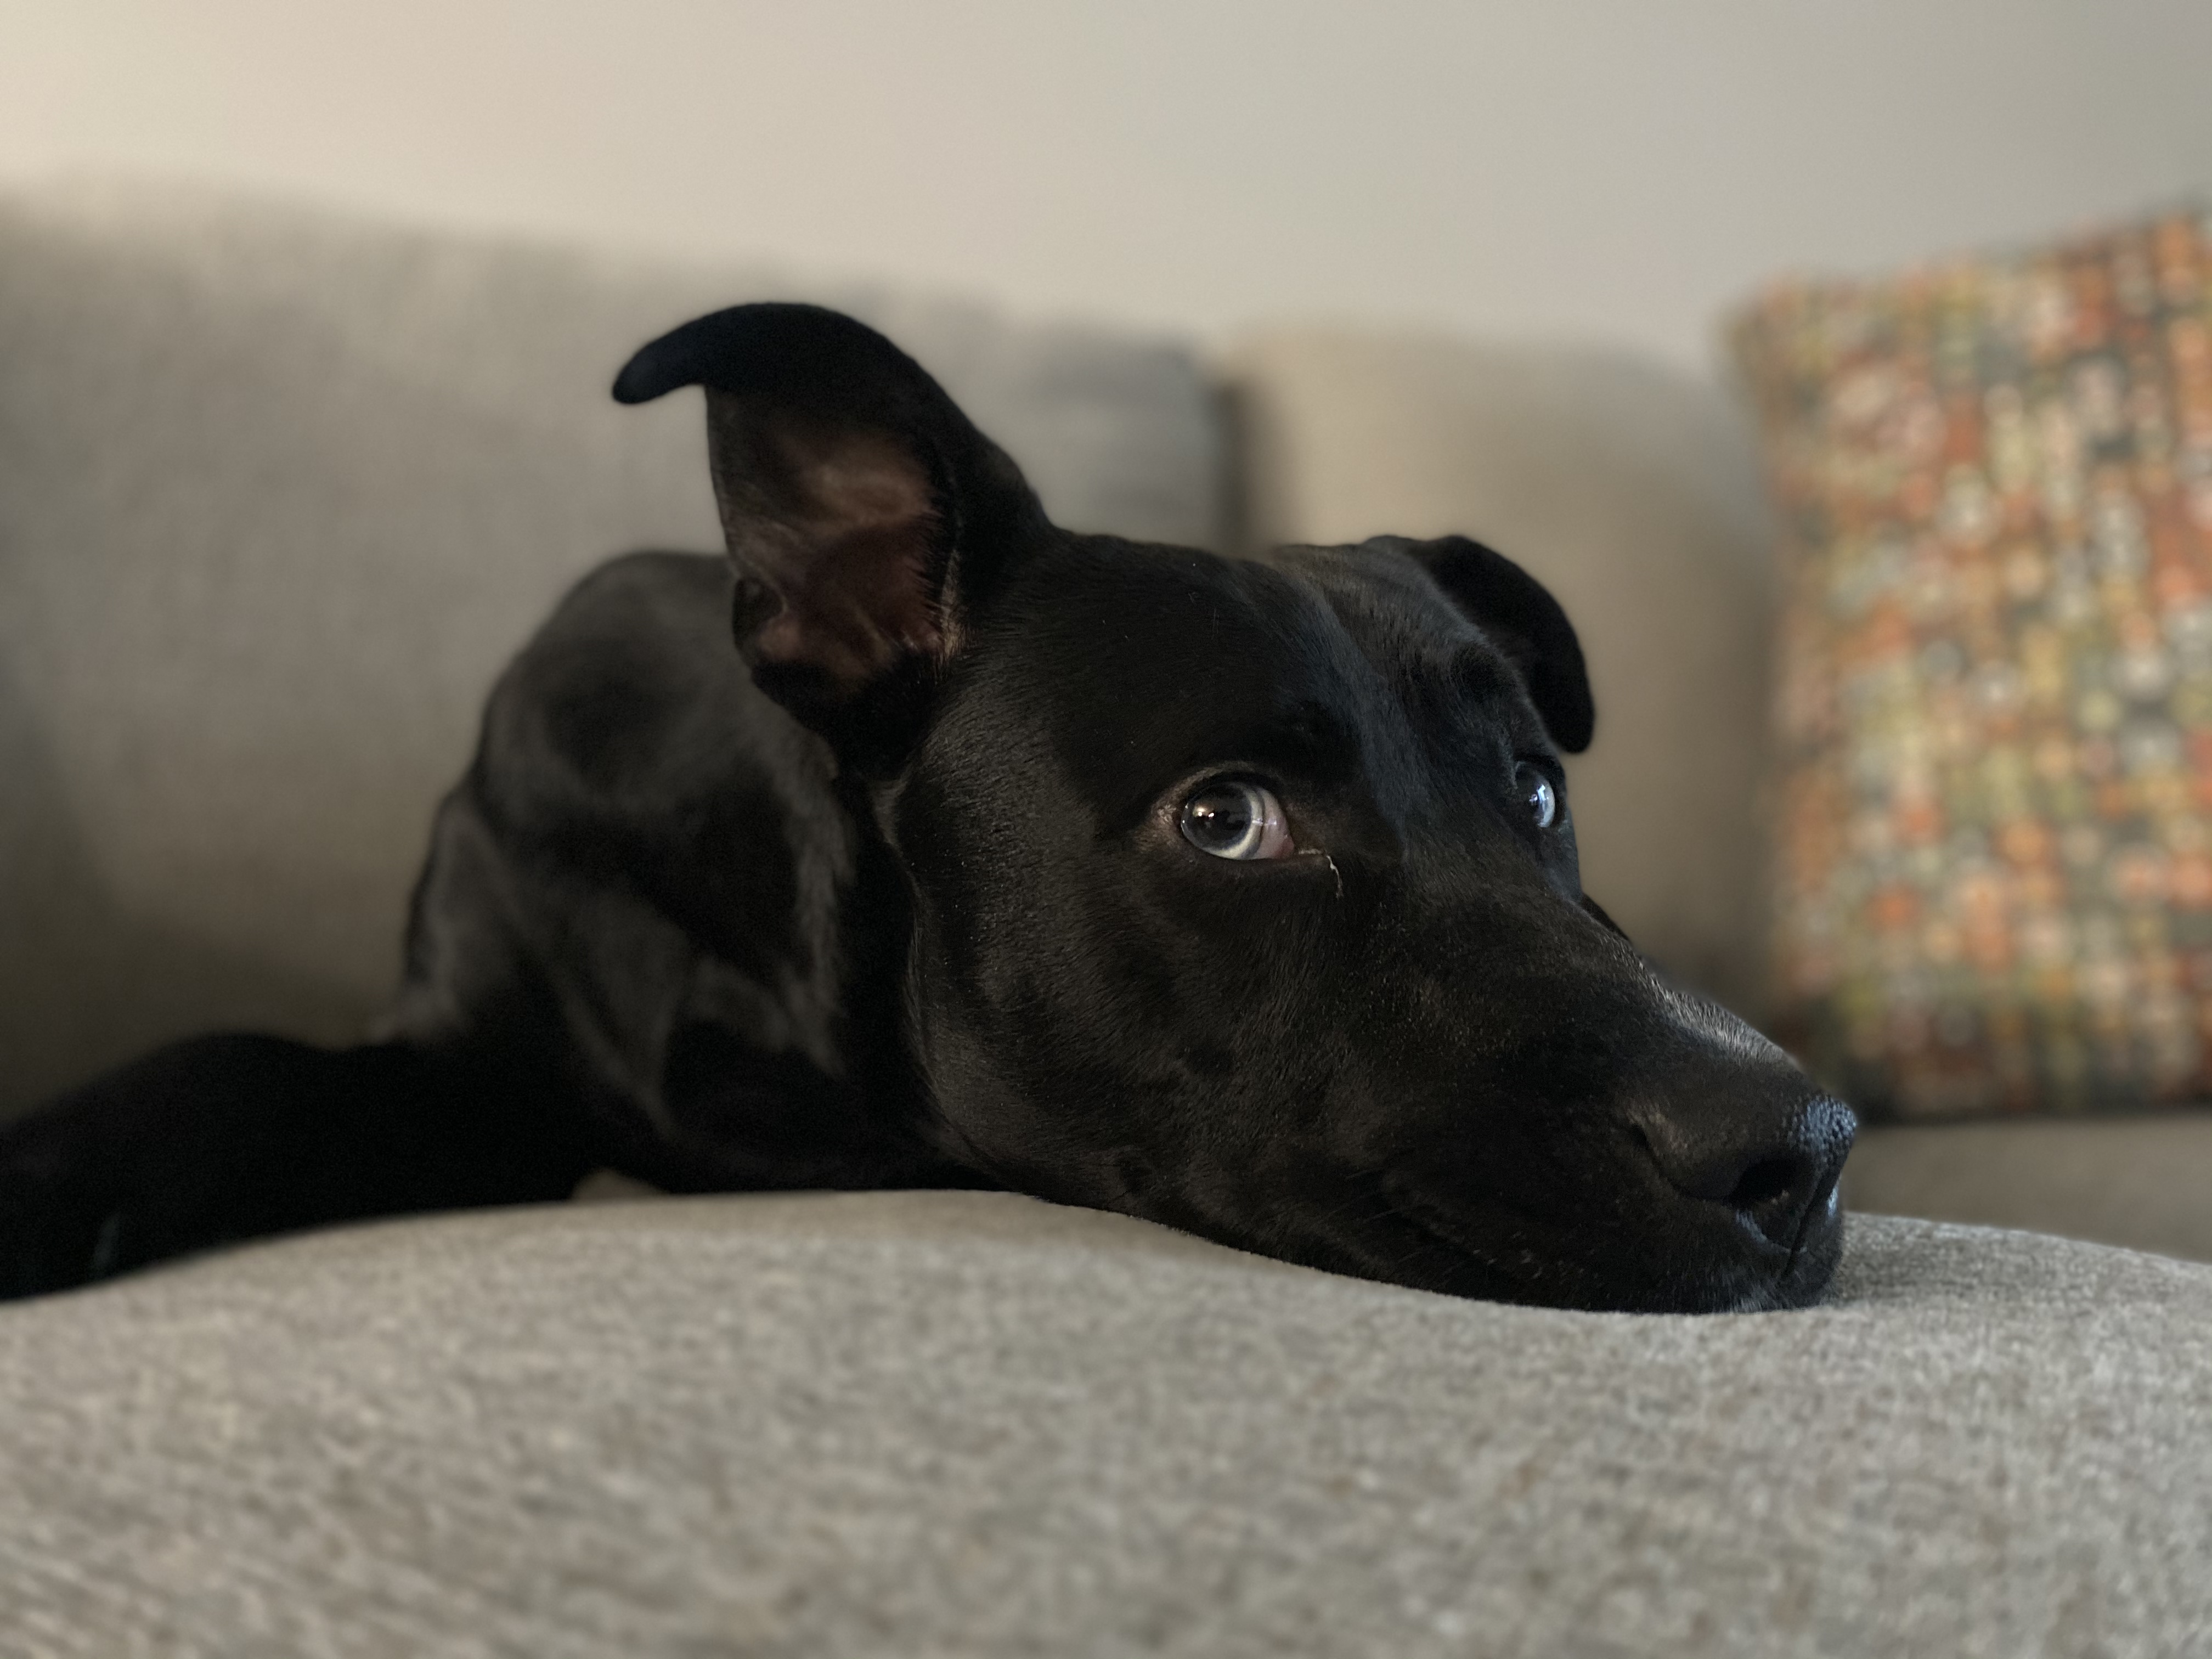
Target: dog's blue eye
(1537, 793)
(1232, 819)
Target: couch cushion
(1632, 492)
(278, 496)
(2143, 1182)
(914, 1424)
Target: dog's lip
(1437, 1226)
(1771, 1285)
(1441, 1224)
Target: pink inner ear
(840, 522)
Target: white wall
(1620, 168)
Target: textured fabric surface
(1633, 494)
(1995, 698)
(2143, 1182)
(920, 1425)
(279, 494)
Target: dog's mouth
(1506, 1255)
(1510, 1267)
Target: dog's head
(1244, 890)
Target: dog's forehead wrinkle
(1394, 647)
(1452, 679)
(1381, 599)
(1360, 668)
(1210, 659)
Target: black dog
(1238, 894)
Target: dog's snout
(1775, 1166)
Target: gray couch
(929, 1423)
(279, 493)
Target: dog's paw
(58, 1229)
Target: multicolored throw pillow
(1994, 703)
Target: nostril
(1768, 1180)
(1777, 1195)
(1774, 1170)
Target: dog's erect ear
(861, 508)
(1525, 621)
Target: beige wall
(1619, 169)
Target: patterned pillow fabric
(1994, 686)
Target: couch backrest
(280, 493)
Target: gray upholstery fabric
(278, 496)
(2145, 1182)
(920, 1425)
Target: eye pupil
(1231, 819)
(1538, 795)
(1220, 818)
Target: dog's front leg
(227, 1138)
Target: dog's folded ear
(863, 510)
(1521, 618)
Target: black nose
(1774, 1163)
